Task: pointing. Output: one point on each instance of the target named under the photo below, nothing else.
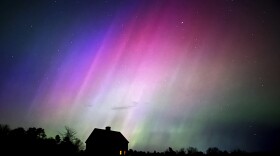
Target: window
(120, 152)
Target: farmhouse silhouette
(106, 142)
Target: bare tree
(69, 136)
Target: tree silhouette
(34, 141)
(57, 139)
(238, 152)
(213, 151)
(170, 151)
(192, 150)
(181, 152)
(70, 143)
(4, 137)
(4, 130)
(36, 133)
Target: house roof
(101, 135)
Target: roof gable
(101, 135)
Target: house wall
(106, 148)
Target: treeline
(192, 151)
(34, 141)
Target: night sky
(165, 73)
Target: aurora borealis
(165, 73)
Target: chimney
(108, 128)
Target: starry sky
(165, 73)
